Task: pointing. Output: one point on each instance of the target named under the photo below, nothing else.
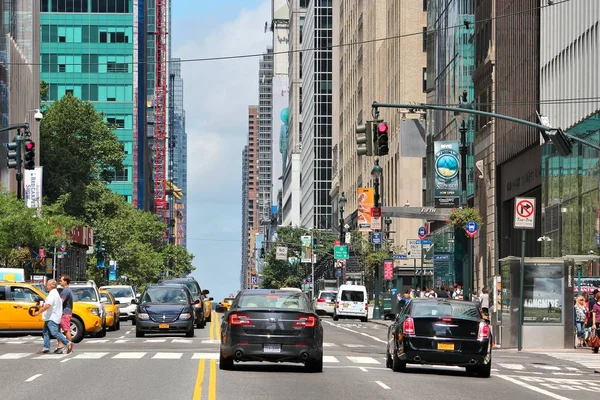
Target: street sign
(388, 269)
(376, 223)
(422, 233)
(525, 212)
(413, 248)
(63, 247)
(337, 242)
(400, 257)
(471, 229)
(340, 252)
(376, 212)
(376, 237)
(281, 253)
(348, 237)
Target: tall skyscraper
(265, 136)
(316, 130)
(250, 221)
(91, 50)
(180, 152)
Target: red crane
(160, 108)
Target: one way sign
(525, 212)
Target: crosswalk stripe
(205, 356)
(209, 341)
(354, 345)
(330, 359)
(547, 367)
(329, 345)
(122, 341)
(130, 355)
(168, 356)
(91, 356)
(155, 340)
(13, 356)
(50, 357)
(516, 367)
(96, 341)
(363, 360)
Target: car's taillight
(447, 319)
(337, 304)
(484, 331)
(409, 326)
(305, 321)
(320, 300)
(366, 306)
(239, 319)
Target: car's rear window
(352, 295)
(443, 309)
(288, 301)
(327, 296)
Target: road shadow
(270, 367)
(439, 370)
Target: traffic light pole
(19, 162)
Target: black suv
(197, 294)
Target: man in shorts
(65, 322)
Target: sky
(216, 99)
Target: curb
(379, 322)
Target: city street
(123, 366)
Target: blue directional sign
(376, 237)
(422, 232)
(472, 228)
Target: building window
(118, 123)
(425, 39)
(62, 68)
(62, 39)
(69, 91)
(114, 67)
(111, 6)
(103, 37)
(424, 80)
(425, 5)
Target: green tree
(78, 148)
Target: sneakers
(60, 350)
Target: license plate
(332, 304)
(272, 348)
(345, 305)
(163, 326)
(445, 346)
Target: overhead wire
(254, 55)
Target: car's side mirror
(220, 309)
(117, 302)
(138, 295)
(197, 301)
(210, 298)
(205, 291)
(134, 301)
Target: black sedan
(440, 331)
(165, 308)
(271, 325)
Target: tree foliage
(78, 148)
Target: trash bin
(387, 305)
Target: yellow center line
(217, 327)
(210, 328)
(212, 383)
(199, 379)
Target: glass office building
(88, 48)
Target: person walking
(485, 300)
(52, 314)
(580, 317)
(596, 319)
(66, 296)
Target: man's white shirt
(54, 313)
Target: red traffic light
(29, 145)
(382, 127)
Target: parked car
(124, 294)
(325, 302)
(113, 313)
(440, 331)
(165, 308)
(19, 300)
(271, 325)
(351, 302)
(197, 293)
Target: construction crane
(160, 110)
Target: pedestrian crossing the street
(585, 359)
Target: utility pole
(376, 173)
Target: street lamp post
(376, 173)
(342, 202)
(19, 141)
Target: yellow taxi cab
(113, 312)
(18, 301)
(208, 308)
(226, 302)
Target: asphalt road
(174, 367)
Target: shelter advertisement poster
(446, 169)
(307, 249)
(543, 294)
(365, 201)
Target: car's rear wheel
(77, 330)
(397, 364)
(388, 359)
(483, 371)
(118, 325)
(209, 318)
(102, 332)
(190, 332)
(225, 364)
(365, 319)
(335, 317)
(133, 321)
(314, 365)
(139, 333)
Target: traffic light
(364, 139)
(29, 154)
(13, 155)
(561, 142)
(382, 139)
(315, 243)
(262, 252)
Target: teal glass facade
(87, 49)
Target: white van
(351, 302)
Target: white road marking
(547, 367)
(363, 369)
(533, 388)
(363, 360)
(354, 345)
(90, 355)
(383, 385)
(209, 341)
(96, 341)
(33, 377)
(13, 356)
(50, 357)
(122, 341)
(353, 331)
(516, 367)
(330, 345)
(330, 359)
(130, 355)
(205, 356)
(168, 356)
(155, 340)
(566, 373)
(128, 332)
(181, 341)
(122, 337)
(15, 342)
